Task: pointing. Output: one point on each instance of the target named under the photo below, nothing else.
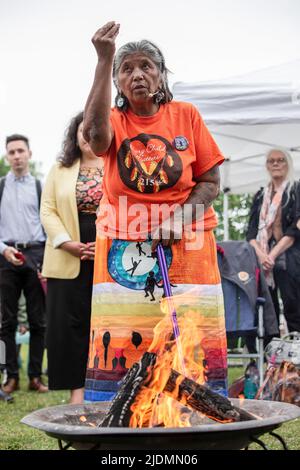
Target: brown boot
(37, 385)
(10, 386)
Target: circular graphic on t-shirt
(148, 163)
(132, 264)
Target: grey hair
(154, 53)
(291, 172)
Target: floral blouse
(89, 189)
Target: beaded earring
(160, 96)
(120, 101)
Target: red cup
(20, 256)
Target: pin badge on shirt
(243, 276)
(180, 143)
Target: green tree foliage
(238, 214)
(4, 168)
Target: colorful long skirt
(128, 304)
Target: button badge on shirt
(180, 143)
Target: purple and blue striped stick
(168, 293)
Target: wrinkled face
(18, 156)
(138, 76)
(83, 144)
(277, 165)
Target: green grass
(16, 436)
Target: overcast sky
(47, 60)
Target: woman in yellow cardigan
(68, 212)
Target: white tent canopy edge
(248, 115)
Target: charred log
(119, 413)
(201, 398)
(182, 389)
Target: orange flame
(241, 400)
(152, 407)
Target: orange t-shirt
(153, 160)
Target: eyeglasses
(280, 161)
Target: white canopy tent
(248, 115)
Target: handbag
(281, 383)
(282, 349)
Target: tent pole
(225, 215)
(226, 192)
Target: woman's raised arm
(97, 130)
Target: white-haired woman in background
(273, 234)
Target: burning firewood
(119, 413)
(201, 398)
(184, 390)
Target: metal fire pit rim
(34, 420)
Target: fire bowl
(76, 426)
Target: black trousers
(289, 289)
(14, 279)
(68, 319)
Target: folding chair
(249, 311)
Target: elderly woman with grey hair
(273, 234)
(159, 159)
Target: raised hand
(104, 40)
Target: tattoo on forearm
(214, 171)
(206, 193)
(207, 190)
(203, 193)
